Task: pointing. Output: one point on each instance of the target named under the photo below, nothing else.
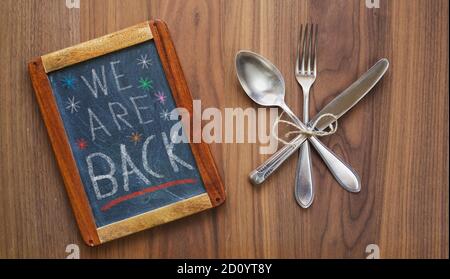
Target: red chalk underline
(145, 191)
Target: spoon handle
(260, 174)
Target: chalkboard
(113, 108)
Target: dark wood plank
(397, 138)
(34, 208)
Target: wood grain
(63, 152)
(97, 47)
(403, 205)
(154, 218)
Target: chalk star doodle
(144, 61)
(145, 84)
(82, 144)
(165, 114)
(72, 105)
(68, 82)
(135, 137)
(160, 97)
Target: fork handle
(304, 185)
(304, 188)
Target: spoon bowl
(260, 79)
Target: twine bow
(308, 131)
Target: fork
(306, 73)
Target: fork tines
(307, 49)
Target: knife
(338, 107)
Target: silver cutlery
(264, 84)
(305, 73)
(338, 107)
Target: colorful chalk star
(72, 104)
(145, 84)
(82, 144)
(135, 137)
(144, 61)
(165, 114)
(160, 97)
(68, 82)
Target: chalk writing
(96, 81)
(118, 118)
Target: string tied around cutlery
(309, 131)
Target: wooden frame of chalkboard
(41, 67)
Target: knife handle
(260, 174)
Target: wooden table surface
(396, 138)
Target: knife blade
(338, 107)
(352, 95)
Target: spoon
(264, 84)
